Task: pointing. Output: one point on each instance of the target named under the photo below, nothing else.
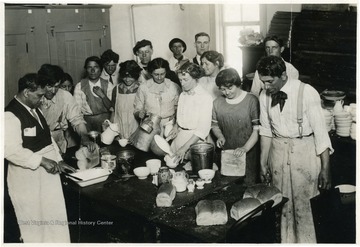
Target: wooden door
(69, 49)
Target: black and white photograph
(179, 123)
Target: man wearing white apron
(295, 147)
(34, 163)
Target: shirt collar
(95, 84)
(26, 107)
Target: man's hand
(63, 166)
(98, 91)
(49, 165)
(324, 182)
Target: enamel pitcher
(107, 137)
(143, 136)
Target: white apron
(124, 114)
(39, 202)
(295, 168)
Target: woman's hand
(181, 154)
(240, 151)
(220, 142)
(173, 132)
(265, 175)
(142, 114)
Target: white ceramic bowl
(207, 175)
(142, 172)
(154, 165)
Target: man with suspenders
(295, 146)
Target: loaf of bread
(242, 207)
(263, 193)
(210, 213)
(166, 195)
(270, 193)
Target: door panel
(17, 63)
(70, 49)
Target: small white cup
(154, 165)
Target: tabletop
(179, 225)
(135, 199)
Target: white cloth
(257, 84)
(284, 123)
(193, 116)
(36, 194)
(124, 114)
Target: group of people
(204, 101)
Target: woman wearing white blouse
(193, 113)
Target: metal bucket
(202, 156)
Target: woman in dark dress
(235, 121)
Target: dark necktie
(278, 98)
(110, 79)
(35, 115)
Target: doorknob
(104, 30)
(79, 26)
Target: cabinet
(57, 34)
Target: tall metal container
(202, 156)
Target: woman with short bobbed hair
(212, 62)
(158, 95)
(235, 121)
(193, 118)
(123, 97)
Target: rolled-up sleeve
(14, 151)
(73, 111)
(317, 121)
(265, 128)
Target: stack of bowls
(329, 119)
(343, 121)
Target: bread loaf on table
(219, 215)
(254, 190)
(210, 213)
(270, 193)
(166, 195)
(264, 193)
(242, 207)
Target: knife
(69, 175)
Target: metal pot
(202, 156)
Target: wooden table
(132, 201)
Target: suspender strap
(300, 108)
